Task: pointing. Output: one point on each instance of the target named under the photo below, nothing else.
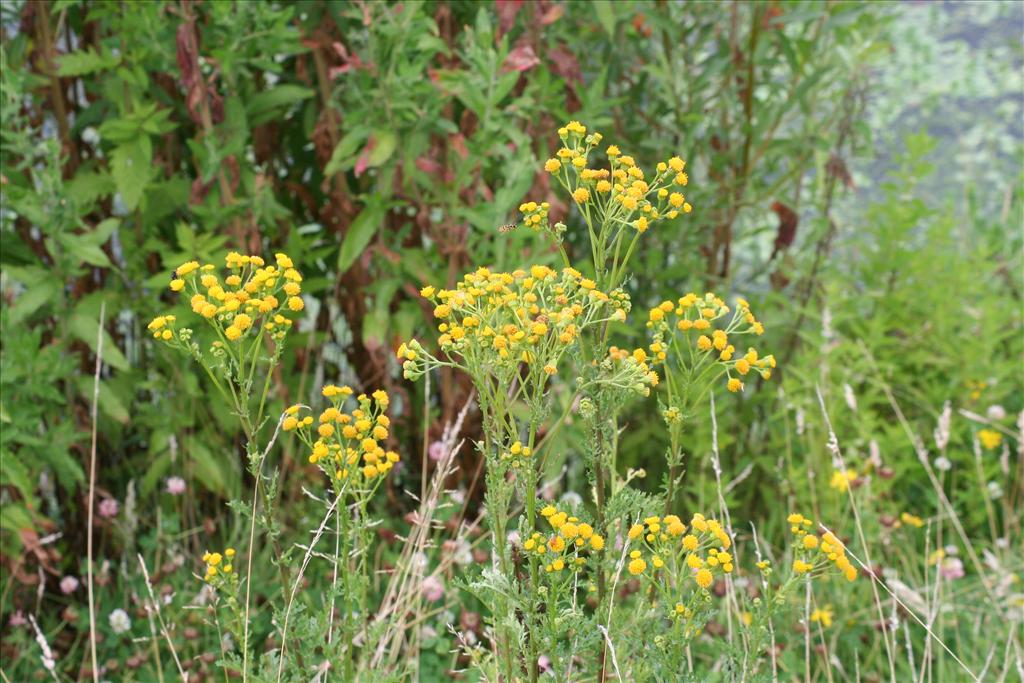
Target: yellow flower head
(990, 439)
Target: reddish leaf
(458, 143)
(788, 221)
(349, 62)
(521, 58)
(640, 25)
(507, 11)
(428, 165)
(563, 63)
(552, 14)
(837, 167)
(772, 12)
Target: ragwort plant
(552, 587)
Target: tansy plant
(248, 311)
(551, 589)
(692, 340)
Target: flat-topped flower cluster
(695, 334)
(346, 446)
(496, 320)
(568, 544)
(250, 299)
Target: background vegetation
(855, 172)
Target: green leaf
(375, 328)
(102, 232)
(343, 155)
(85, 62)
(360, 233)
(606, 15)
(157, 469)
(130, 166)
(110, 404)
(85, 250)
(31, 300)
(208, 469)
(86, 328)
(787, 50)
(15, 518)
(14, 473)
(87, 188)
(414, 262)
(267, 104)
(384, 146)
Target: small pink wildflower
(108, 507)
(432, 589)
(436, 451)
(952, 568)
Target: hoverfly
(508, 227)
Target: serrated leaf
(86, 188)
(14, 473)
(69, 472)
(31, 300)
(359, 233)
(84, 62)
(85, 250)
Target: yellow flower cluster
(498, 320)
(911, 520)
(841, 479)
(218, 566)
(535, 215)
(622, 190)
(976, 387)
(162, 327)
(823, 616)
(568, 541)
(517, 453)
(668, 542)
(708, 319)
(346, 445)
(252, 298)
(814, 554)
(629, 370)
(990, 439)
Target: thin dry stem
(404, 588)
(837, 451)
(159, 615)
(92, 496)
(252, 540)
